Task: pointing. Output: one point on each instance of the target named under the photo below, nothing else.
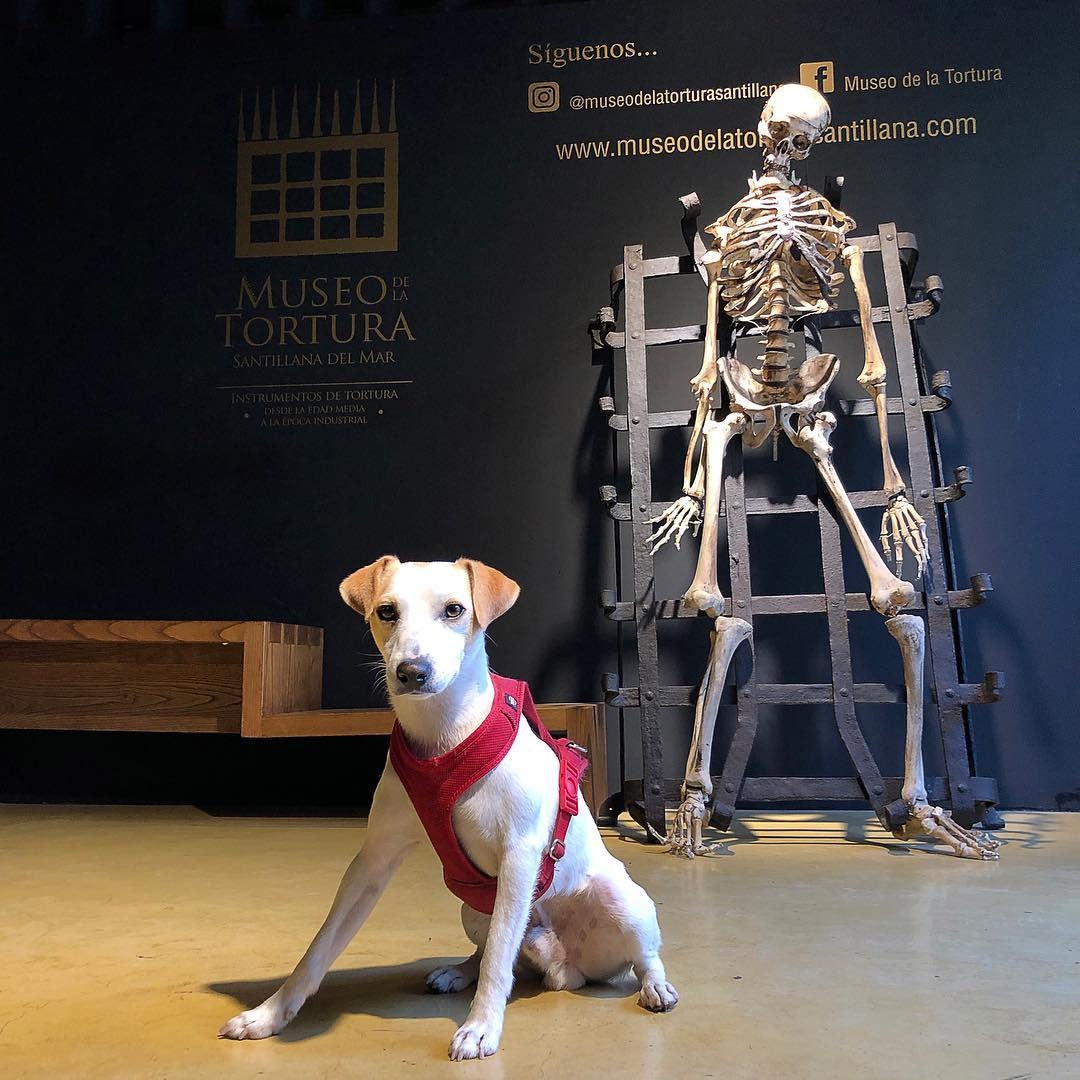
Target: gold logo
(543, 97)
(318, 193)
(819, 75)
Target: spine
(774, 369)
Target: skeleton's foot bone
(937, 825)
(683, 514)
(903, 525)
(685, 837)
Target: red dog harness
(435, 785)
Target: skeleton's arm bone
(874, 368)
(900, 522)
(685, 512)
(703, 384)
(873, 375)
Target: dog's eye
(387, 612)
(454, 610)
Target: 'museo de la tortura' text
(286, 311)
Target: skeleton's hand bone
(933, 822)
(683, 514)
(902, 524)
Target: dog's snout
(413, 674)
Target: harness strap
(573, 761)
(434, 785)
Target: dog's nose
(412, 674)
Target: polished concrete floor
(819, 947)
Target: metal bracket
(608, 495)
(981, 587)
(609, 684)
(941, 384)
(931, 290)
(956, 490)
(602, 324)
(985, 693)
(694, 244)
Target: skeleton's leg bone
(704, 592)
(910, 634)
(685, 840)
(888, 593)
(926, 820)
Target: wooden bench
(260, 680)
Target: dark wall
(139, 488)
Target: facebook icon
(819, 75)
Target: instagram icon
(543, 97)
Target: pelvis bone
(812, 378)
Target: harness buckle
(580, 749)
(557, 849)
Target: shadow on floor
(392, 991)
(810, 828)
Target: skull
(794, 118)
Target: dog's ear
(358, 589)
(493, 594)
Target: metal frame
(970, 796)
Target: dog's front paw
(658, 995)
(449, 980)
(268, 1019)
(475, 1039)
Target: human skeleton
(772, 260)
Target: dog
(591, 923)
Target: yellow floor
(819, 948)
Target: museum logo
(819, 74)
(322, 189)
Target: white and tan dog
(593, 923)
